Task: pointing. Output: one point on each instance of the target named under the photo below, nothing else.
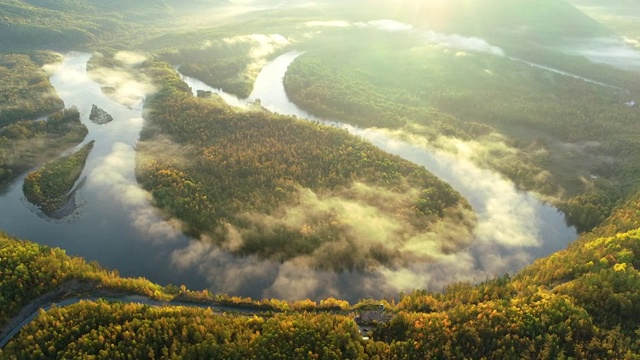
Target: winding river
(115, 224)
(108, 224)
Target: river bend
(115, 224)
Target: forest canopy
(280, 187)
(531, 313)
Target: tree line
(26, 91)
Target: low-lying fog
(622, 53)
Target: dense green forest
(285, 186)
(71, 24)
(49, 186)
(26, 94)
(221, 64)
(129, 330)
(30, 270)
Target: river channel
(115, 224)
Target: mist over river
(115, 224)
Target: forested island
(27, 94)
(514, 88)
(49, 186)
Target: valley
(314, 162)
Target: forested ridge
(30, 270)
(70, 24)
(26, 92)
(221, 65)
(129, 330)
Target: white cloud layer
(113, 175)
(452, 41)
(622, 53)
(261, 47)
(126, 86)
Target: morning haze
(319, 179)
